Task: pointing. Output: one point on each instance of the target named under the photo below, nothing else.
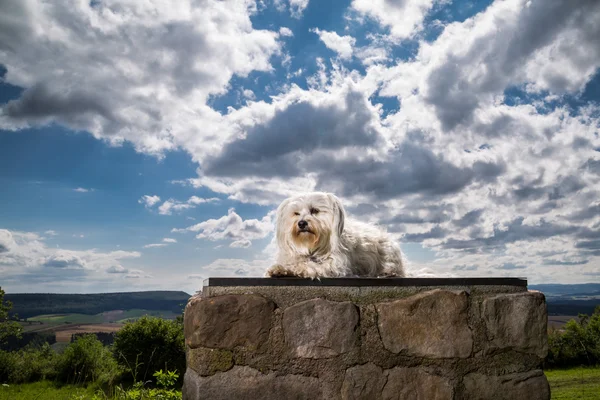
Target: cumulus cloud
(117, 269)
(488, 157)
(284, 31)
(170, 206)
(235, 268)
(403, 17)
(82, 190)
(342, 45)
(169, 240)
(24, 256)
(297, 7)
(149, 201)
(232, 227)
(108, 86)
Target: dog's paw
(278, 270)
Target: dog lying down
(316, 240)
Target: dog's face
(309, 222)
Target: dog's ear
(279, 223)
(339, 214)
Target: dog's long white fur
(331, 245)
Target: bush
(28, 365)
(150, 344)
(578, 343)
(165, 382)
(86, 360)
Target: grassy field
(575, 384)
(44, 391)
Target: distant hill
(31, 304)
(570, 299)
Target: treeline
(575, 344)
(27, 305)
(32, 339)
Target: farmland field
(64, 325)
(557, 321)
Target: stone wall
(349, 342)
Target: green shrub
(28, 365)
(578, 343)
(86, 360)
(150, 344)
(165, 382)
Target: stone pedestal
(352, 338)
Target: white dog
(316, 240)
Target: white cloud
(235, 267)
(403, 18)
(248, 94)
(241, 244)
(108, 86)
(149, 201)
(170, 206)
(117, 269)
(82, 190)
(297, 7)
(232, 227)
(343, 45)
(286, 32)
(24, 257)
(154, 245)
(51, 233)
(169, 240)
(487, 182)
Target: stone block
(320, 328)
(416, 384)
(431, 324)
(517, 321)
(245, 383)
(228, 321)
(208, 361)
(527, 385)
(363, 382)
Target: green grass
(574, 384)
(44, 390)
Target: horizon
(146, 147)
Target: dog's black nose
(302, 224)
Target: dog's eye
(314, 211)
(296, 213)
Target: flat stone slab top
(365, 282)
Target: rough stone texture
(518, 321)
(396, 342)
(227, 321)
(364, 382)
(285, 296)
(245, 383)
(320, 328)
(431, 324)
(416, 384)
(529, 385)
(208, 361)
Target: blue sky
(145, 146)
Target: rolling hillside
(27, 305)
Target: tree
(8, 327)
(149, 345)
